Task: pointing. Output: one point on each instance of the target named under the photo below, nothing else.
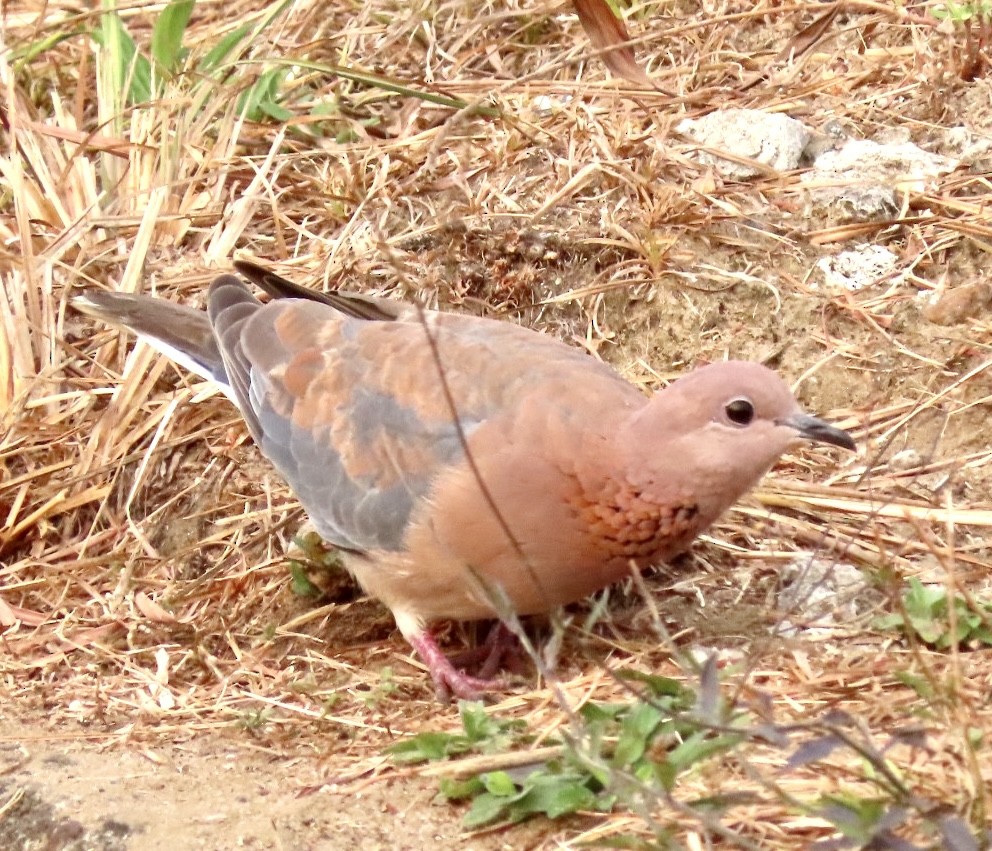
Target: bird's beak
(815, 429)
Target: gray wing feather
(356, 512)
(229, 305)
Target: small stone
(862, 179)
(820, 595)
(858, 268)
(773, 139)
(959, 304)
(906, 459)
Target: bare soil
(66, 791)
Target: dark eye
(740, 412)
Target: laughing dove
(461, 463)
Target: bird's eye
(740, 412)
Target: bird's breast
(627, 523)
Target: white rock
(859, 267)
(773, 139)
(906, 459)
(862, 178)
(899, 166)
(820, 595)
(972, 148)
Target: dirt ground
(209, 792)
(165, 682)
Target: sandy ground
(98, 793)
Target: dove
(461, 464)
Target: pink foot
(448, 680)
(500, 647)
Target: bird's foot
(448, 679)
(501, 649)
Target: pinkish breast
(625, 523)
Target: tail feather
(181, 333)
(190, 337)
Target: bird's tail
(181, 333)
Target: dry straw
(144, 589)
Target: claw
(450, 681)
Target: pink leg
(448, 680)
(499, 644)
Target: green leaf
(602, 712)
(219, 54)
(458, 790)
(555, 796)
(636, 731)
(552, 795)
(890, 621)
(265, 91)
(167, 35)
(920, 685)
(659, 686)
(130, 72)
(856, 818)
(665, 773)
(275, 111)
(386, 84)
(959, 13)
(485, 809)
(301, 584)
(923, 602)
(220, 51)
(499, 783)
(929, 630)
(24, 54)
(701, 746)
(983, 634)
(476, 722)
(927, 614)
(430, 746)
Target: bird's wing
(355, 414)
(355, 305)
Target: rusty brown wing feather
(358, 459)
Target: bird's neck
(669, 464)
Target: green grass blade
(375, 81)
(167, 35)
(262, 97)
(220, 52)
(131, 73)
(32, 50)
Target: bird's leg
(448, 680)
(488, 656)
(499, 643)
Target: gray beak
(815, 429)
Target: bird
(461, 464)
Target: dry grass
(145, 592)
